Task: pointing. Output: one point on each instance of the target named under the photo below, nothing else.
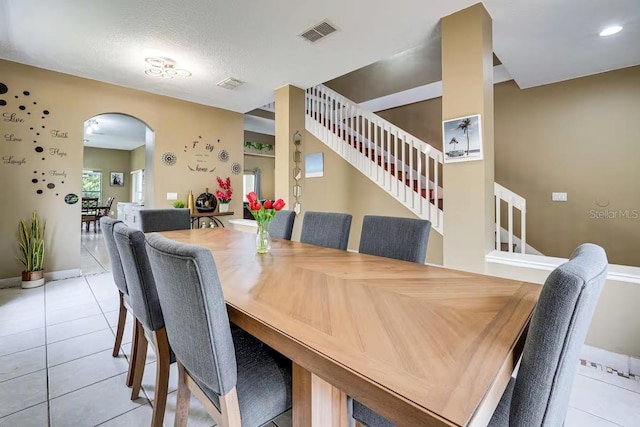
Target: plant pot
(32, 279)
(223, 207)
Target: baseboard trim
(15, 282)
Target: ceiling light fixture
(91, 125)
(610, 30)
(165, 68)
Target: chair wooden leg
(134, 354)
(122, 318)
(184, 396)
(162, 376)
(137, 364)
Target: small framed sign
(116, 179)
(462, 139)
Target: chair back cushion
(107, 224)
(282, 225)
(391, 237)
(327, 229)
(556, 334)
(195, 311)
(164, 219)
(143, 297)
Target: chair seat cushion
(368, 417)
(264, 380)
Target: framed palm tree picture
(462, 139)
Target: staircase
(395, 160)
(407, 168)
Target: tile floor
(56, 367)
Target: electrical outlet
(172, 196)
(559, 197)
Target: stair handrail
(433, 152)
(513, 201)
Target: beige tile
(21, 341)
(35, 416)
(77, 311)
(75, 348)
(77, 327)
(23, 392)
(141, 416)
(94, 404)
(578, 418)
(85, 371)
(606, 401)
(21, 363)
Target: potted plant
(224, 194)
(32, 252)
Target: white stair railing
(514, 201)
(406, 167)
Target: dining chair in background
(164, 219)
(405, 239)
(143, 300)
(327, 229)
(238, 379)
(281, 225)
(539, 395)
(107, 224)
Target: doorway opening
(116, 176)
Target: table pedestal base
(317, 403)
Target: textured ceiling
(538, 41)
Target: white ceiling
(116, 132)
(538, 41)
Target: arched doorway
(114, 177)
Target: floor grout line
(608, 383)
(594, 415)
(46, 356)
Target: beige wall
(106, 161)
(70, 101)
(574, 137)
(267, 165)
(345, 189)
(137, 158)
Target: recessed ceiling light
(610, 30)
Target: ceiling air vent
(229, 83)
(318, 31)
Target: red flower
(255, 206)
(268, 204)
(251, 197)
(279, 204)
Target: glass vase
(263, 241)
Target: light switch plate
(559, 197)
(172, 196)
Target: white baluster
(510, 213)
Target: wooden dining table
(420, 345)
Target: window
(249, 184)
(92, 185)
(137, 186)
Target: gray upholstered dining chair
(281, 225)
(539, 395)
(143, 300)
(327, 229)
(238, 379)
(392, 237)
(106, 225)
(164, 219)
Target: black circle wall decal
(71, 199)
(38, 133)
(39, 149)
(3, 89)
(43, 180)
(30, 128)
(57, 194)
(34, 141)
(16, 97)
(61, 182)
(34, 103)
(169, 159)
(22, 107)
(43, 158)
(25, 93)
(3, 102)
(39, 191)
(35, 171)
(46, 112)
(51, 186)
(42, 173)
(29, 113)
(34, 180)
(41, 117)
(42, 127)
